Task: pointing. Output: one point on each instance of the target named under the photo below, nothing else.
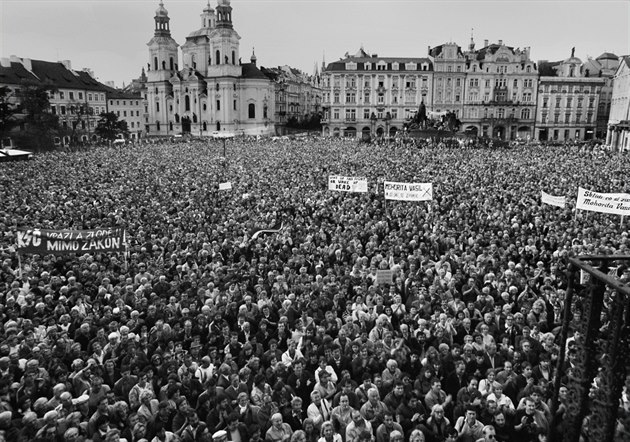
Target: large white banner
(617, 203)
(347, 184)
(408, 191)
(225, 186)
(558, 201)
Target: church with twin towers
(209, 89)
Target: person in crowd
(259, 313)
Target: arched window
(217, 57)
(187, 103)
(157, 125)
(252, 110)
(170, 125)
(525, 114)
(265, 111)
(194, 118)
(218, 125)
(205, 126)
(233, 57)
(172, 63)
(193, 62)
(177, 118)
(164, 64)
(155, 63)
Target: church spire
(471, 46)
(162, 27)
(253, 57)
(224, 14)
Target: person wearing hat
(219, 436)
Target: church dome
(223, 2)
(161, 11)
(607, 56)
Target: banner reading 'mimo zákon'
(61, 242)
(408, 191)
(347, 184)
(617, 203)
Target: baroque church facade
(212, 90)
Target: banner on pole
(62, 242)
(558, 201)
(225, 186)
(408, 191)
(347, 184)
(615, 203)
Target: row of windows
(124, 113)
(570, 89)
(251, 108)
(569, 102)
(475, 97)
(557, 118)
(351, 114)
(124, 102)
(72, 110)
(79, 96)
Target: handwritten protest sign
(408, 191)
(347, 184)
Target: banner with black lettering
(63, 242)
(347, 184)
(408, 191)
(616, 203)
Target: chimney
(5, 62)
(500, 42)
(67, 64)
(89, 71)
(485, 43)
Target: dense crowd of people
(206, 330)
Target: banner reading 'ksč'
(62, 242)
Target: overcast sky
(110, 36)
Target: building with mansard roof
(367, 95)
(212, 89)
(568, 100)
(78, 98)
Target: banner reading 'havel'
(61, 242)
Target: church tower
(162, 66)
(224, 41)
(162, 48)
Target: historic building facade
(449, 78)
(129, 107)
(568, 101)
(605, 67)
(78, 98)
(212, 90)
(618, 135)
(366, 95)
(500, 94)
(298, 96)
